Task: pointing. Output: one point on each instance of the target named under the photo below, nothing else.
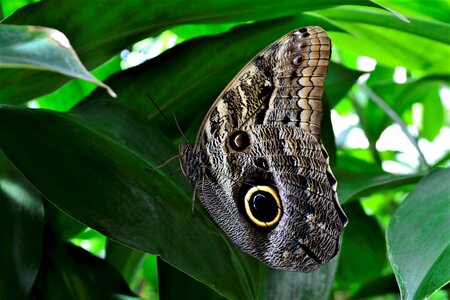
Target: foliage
(78, 172)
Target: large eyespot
(239, 140)
(263, 206)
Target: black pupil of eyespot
(263, 206)
(239, 140)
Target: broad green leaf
(363, 253)
(64, 226)
(315, 285)
(434, 30)
(400, 98)
(190, 31)
(7, 7)
(392, 48)
(118, 196)
(433, 111)
(149, 275)
(91, 241)
(41, 48)
(359, 161)
(169, 278)
(96, 36)
(64, 98)
(339, 81)
(93, 164)
(432, 9)
(69, 272)
(21, 230)
(418, 237)
(352, 185)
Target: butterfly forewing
(258, 165)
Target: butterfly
(258, 164)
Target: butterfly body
(258, 165)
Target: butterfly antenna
(157, 107)
(169, 121)
(178, 126)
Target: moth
(258, 164)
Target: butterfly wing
(258, 165)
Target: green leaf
(64, 98)
(400, 98)
(437, 11)
(393, 48)
(69, 272)
(116, 194)
(7, 7)
(315, 285)
(95, 36)
(21, 228)
(430, 29)
(46, 49)
(433, 111)
(353, 185)
(418, 237)
(190, 31)
(148, 275)
(126, 260)
(90, 240)
(64, 226)
(363, 253)
(339, 81)
(170, 277)
(95, 163)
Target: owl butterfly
(258, 164)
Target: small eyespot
(263, 206)
(305, 35)
(262, 163)
(297, 60)
(239, 140)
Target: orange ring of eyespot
(274, 194)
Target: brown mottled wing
(263, 131)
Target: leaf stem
(396, 119)
(360, 113)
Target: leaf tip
(110, 91)
(395, 13)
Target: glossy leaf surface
(418, 237)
